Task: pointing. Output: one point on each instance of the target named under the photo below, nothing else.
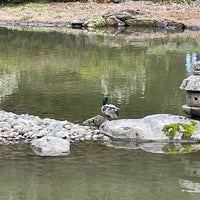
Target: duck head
(105, 100)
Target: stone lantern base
(192, 111)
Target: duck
(109, 110)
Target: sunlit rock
(51, 146)
(160, 127)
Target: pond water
(93, 171)
(64, 76)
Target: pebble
(26, 127)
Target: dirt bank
(68, 12)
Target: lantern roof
(192, 83)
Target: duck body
(110, 110)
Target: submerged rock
(51, 146)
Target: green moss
(95, 23)
(140, 22)
(171, 130)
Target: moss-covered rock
(186, 130)
(160, 127)
(140, 22)
(98, 22)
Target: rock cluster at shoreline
(172, 16)
(26, 128)
(112, 20)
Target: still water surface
(64, 76)
(93, 171)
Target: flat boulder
(51, 146)
(159, 127)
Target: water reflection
(155, 147)
(8, 83)
(191, 59)
(190, 183)
(65, 76)
(93, 171)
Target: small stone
(88, 137)
(40, 134)
(60, 134)
(4, 124)
(19, 127)
(95, 137)
(4, 129)
(50, 128)
(28, 134)
(68, 127)
(13, 134)
(106, 138)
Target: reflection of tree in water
(121, 88)
(8, 83)
(190, 60)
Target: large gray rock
(51, 146)
(160, 127)
(196, 3)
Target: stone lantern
(192, 87)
